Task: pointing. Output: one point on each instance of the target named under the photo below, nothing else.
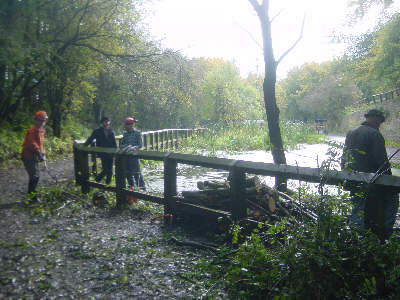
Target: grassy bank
(247, 137)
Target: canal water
(305, 155)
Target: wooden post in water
(169, 185)
(120, 180)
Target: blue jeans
(133, 172)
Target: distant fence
(165, 139)
(382, 96)
(175, 205)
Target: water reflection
(304, 156)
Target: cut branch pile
(263, 202)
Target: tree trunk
(271, 108)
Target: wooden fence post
(94, 160)
(152, 140)
(120, 180)
(77, 171)
(169, 185)
(237, 178)
(176, 138)
(171, 137)
(83, 161)
(162, 140)
(157, 140)
(145, 141)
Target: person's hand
(41, 157)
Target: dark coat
(102, 140)
(364, 150)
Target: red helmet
(41, 115)
(130, 121)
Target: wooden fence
(383, 96)
(175, 205)
(165, 139)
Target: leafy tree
(318, 91)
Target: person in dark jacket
(374, 208)
(132, 138)
(105, 137)
(33, 151)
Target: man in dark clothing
(374, 207)
(104, 137)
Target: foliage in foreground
(247, 137)
(310, 260)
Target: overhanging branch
(295, 43)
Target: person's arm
(379, 154)
(91, 138)
(113, 140)
(344, 160)
(122, 143)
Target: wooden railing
(165, 139)
(383, 96)
(175, 205)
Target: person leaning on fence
(33, 152)
(374, 207)
(132, 139)
(105, 137)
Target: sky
(230, 29)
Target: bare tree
(271, 64)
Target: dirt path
(14, 180)
(84, 252)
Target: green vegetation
(320, 259)
(247, 137)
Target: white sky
(230, 29)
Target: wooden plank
(315, 175)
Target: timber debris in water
(263, 202)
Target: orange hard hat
(41, 115)
(130, 121)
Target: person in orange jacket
(33, 151)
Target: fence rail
(383, 96)
(175, 205)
